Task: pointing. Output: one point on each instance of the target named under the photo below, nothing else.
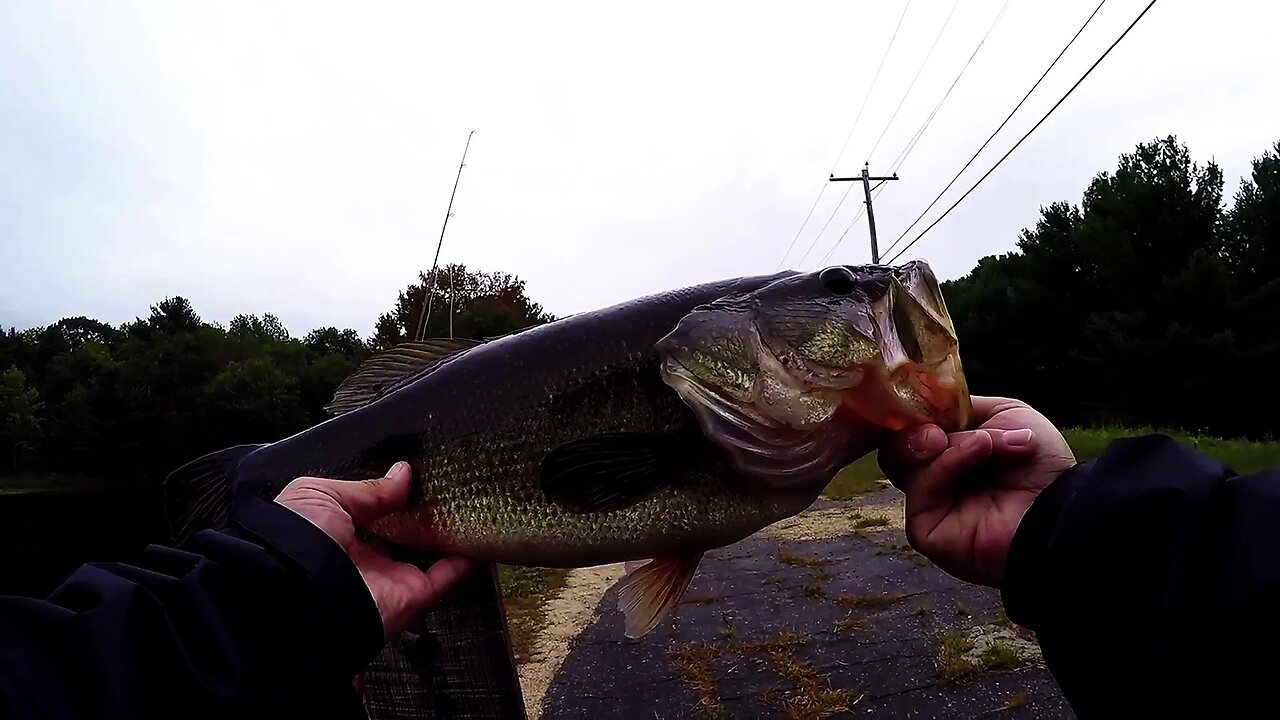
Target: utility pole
(867, 179)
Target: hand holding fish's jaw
(805, 375)
(400, 591)
(966, 492)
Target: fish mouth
(913, 394)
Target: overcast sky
(297, 158)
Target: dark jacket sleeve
(1151, 576)
(267, 617)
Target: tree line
(1150, 302)
(81, 397)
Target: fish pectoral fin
(390, 369)
(609, 471)
(650, 593)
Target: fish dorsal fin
(387, 370)
(650, 593)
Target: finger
(984, 407)
(368, 500)
(932, 487)
(1013, 442)
(438, 580)
(910, 448)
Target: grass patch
(863, 522)
(957, 661)
(812, 697)
(800, 559)
(693, 662)
(524, 591)
(859, 478)
(962, 608)
(700, 600)
(1243, 456)
(813, 589)
(777, 642)
(999, 655)
(921, 609)
(871, 602)
(953, 661)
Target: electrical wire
(902, 156)
(915, 138)
(852, 127)
(1028, 133)
(998, 129)
(912, 84)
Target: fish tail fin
(198, 494)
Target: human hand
(967, 492)
(401, 591)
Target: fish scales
(477, 432)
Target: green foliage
(860, 477)
(485, 304)
(267, 328)
(1147, 304)
(1243, 456)
(82, 398)
(20, 408)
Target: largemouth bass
(653, 430)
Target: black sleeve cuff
(1027, 571)
(346, 630)
(1117, 521)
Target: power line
(912, 84)
(1028, 134)
(998, 129)
(915, 138)
(902, 156)
(852, 127)
(874, 78)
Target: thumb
(368, 500)
(909, 449)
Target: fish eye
(838, 280)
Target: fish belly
(508, 520)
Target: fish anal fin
(198, 495)
(609, 471)
(653, 591)
(387, 370)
